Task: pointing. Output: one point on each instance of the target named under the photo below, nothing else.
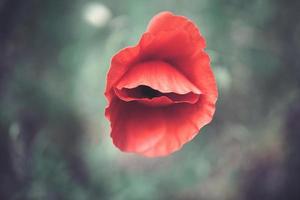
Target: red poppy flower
(162, 91)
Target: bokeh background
(54, 139)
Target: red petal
(121, 62)
(197, 69)
(132, 130)
(158, 75)
(184, 123)
(167, 21)
(170, 46)
(162, 131)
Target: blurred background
(54, 139)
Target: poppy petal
(170, 45)
(121, 62)
(132, 130)
(162, 131)
(158, 75)
(167, 21)
(197, 69)
(184, 123)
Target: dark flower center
(148, 92)
(143, 91)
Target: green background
(54, 139)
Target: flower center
(149, 96)
(147, 92)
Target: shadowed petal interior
(147, 95)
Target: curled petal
(158, 75)
(120, 63)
